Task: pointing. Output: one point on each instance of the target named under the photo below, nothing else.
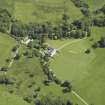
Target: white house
(51, 51)
(26, 40)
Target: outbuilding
(51, 51)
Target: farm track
(79, 97)
(69, 43)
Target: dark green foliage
(67, 86)
(36, 52)
(95, 45)
(103, 9)
(47, 100)
(6, 80)
(17, 57)
(14, 49)
(5, 20)
(26, 53)
(102, 42)
(46, 68)
(47, 30)
(7, 60)
(57, 80)
(28, 99)
(85, 11)
(79, 24)
(87, 51)
(46, 82)
(66, 89)
(4, 69)
(99, 21)
(18, 29)
(80, 3)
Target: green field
(7, 4)
(94, 4)
(40, 10)
(5, 48)
(83, 70)
(44, 10)
(8, 99)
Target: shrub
(95, 45)
(17, 57)
(4, 69)
(46, 82)
(65, 83)
(37, 89)
(26, 53)
(66, 89)
(28, 99)
(87, 51)
(14, 48)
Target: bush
(5, 80)
(8, 60)
(66, 90)
(17, 57)
(36, 53)
(5, 20)
(46, 82)
(85, 11)
(37, 89)
(57, 81)
(35, 95)
(65, 84)
(14, 48)
(87, 51)
(95, 45)
(48, 100)
(80, 3)
(103, 9)
(4, 69)
(26, 53)
(99, 21)
(28, 99)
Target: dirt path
(69, 43)
(80, 98)
(12, 60)
(60, 48)
(10, 64)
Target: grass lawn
(58, 43)
(85, 71)
(6, 44)
(7, 4)
(21, 70)
(8, 99)
(94, 4)
(44, 10)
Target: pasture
(8, 99)
(7, 4)
(44, 10)
(21, 71)
(6, 44)
(94, 4)
(85, 71)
